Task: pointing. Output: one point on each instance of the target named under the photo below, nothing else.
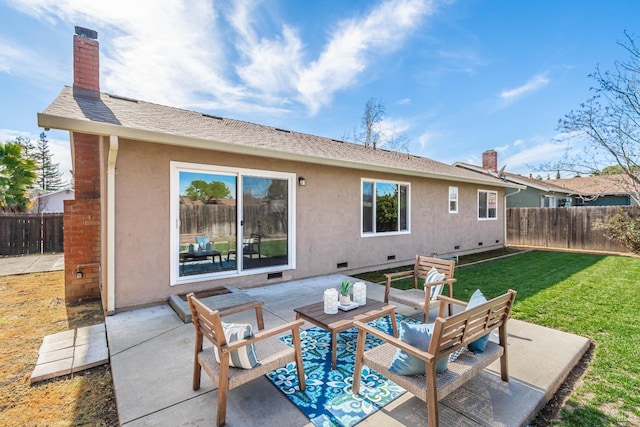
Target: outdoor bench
(449, 335)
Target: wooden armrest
(448, 300)
(390, 339)
(398, 274)
(261, 335)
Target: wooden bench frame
(449, 335)
(418, 298)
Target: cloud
(9, 55)
(537, 82)
(229, 57)
(354, 47)
(404, 101)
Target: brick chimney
(82, 215)
(490, 160)
(86, 63)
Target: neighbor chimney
(86, 69)
(490, 160)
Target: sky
(456, 78)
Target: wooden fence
(563, 228)
(26, 234)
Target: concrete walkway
(31, 264)
(152, 360)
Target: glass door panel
(208, 223)
(265, 228)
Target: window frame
(551, 199)
(174, 223)
(374, 232)
(487, 208)
(454, 200)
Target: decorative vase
(331, 301)
(345, 299)
(360, 293)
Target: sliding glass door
(229, 221)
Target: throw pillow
(479, 345)
(243, 357)
(417, 335)
(434, 276)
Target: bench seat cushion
(461, 370)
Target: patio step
(71, 351)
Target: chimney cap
(86, 32)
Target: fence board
(25, 234)
(563, 228)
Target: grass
(31, 307)
(593, 296)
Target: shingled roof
(601, 185)
(139, 120)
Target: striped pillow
(434, 276)
(243, 357)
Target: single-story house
(532, 193)
(601, 190)
(274, 205)
(51, 202)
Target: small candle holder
(360, 293)
(331, 301)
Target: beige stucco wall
(327, 221)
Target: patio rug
(328, 400)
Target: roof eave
(49, 121)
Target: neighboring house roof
(602, 185)
(133, 119)
(504, 176)
(538, 184)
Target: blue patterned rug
(328, 400)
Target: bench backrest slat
(456, 331)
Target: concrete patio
(151, 352)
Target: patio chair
(270, 351)
(251, 246)
(418, 298)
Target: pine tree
(49, 175)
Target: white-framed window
(487, 204)
(548, 201)
(453, 199)
(385, 207)
(230, 221)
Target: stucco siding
(327, 217)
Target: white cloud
(534, 153)
(206, 54)
(537, 82)
(354, 45)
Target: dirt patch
(31, 307)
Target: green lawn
(589, 295)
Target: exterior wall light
(301, 181)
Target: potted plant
(345, 298)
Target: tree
(49, 175)
(207, 192)
(608, 124)
(372, 130)
(613, 170)
(17, 174)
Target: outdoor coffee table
(343, 320)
